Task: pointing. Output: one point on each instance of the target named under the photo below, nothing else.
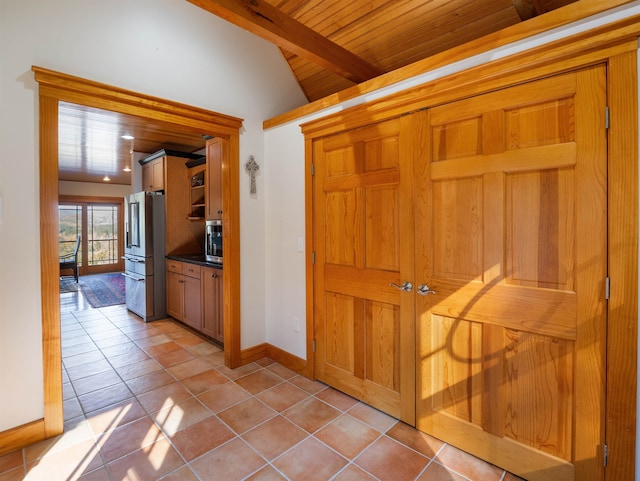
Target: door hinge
(607, 288)
(605, 461)
(606, 117)
(314, 345)
(313, 169)
(313, 257)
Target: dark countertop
(198, 259)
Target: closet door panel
(364, 326)
(511, 235)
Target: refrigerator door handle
(134, 259)
(132, 277)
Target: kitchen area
(173, 240)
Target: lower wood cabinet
(194, 296)
(212, 303)
(184, 293)
(175, 295)
(192, 301)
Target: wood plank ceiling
(90, 143)
(331, 45)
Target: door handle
(406, 286)
(424, 290)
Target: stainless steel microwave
(213, 241)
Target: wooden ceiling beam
(266, 21)
(528, 8)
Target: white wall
(166, 48)
(285, 265)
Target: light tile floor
(155, 401)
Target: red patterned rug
(100, 290)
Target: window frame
(85, 201)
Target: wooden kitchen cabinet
(192, 296)
(216, 151)
(153, 175)
(175, 295)
(181, 233)
(212, 303)
(197, 193)
(184, 297)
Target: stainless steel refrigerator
(144, 255)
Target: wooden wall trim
(231, 271)
(287, 359)
(622, 332)
(557, 18)
(86, 199)
(309, 266)
(253, 353)
(55, 87)
(21, 436)
(50, 268)
(57, 84)
(282, 357)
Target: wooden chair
(70, 261)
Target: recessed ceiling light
(128, 137)
(127, 169)
(106, 178)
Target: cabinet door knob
(214, 275)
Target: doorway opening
(55, 87)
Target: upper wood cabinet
(153, 175)
(217, 149)
(182, 234)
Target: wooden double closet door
(460, 271)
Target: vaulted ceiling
(331, 45)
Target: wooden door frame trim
(55, 87)
(615, 45)
(622, 332)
